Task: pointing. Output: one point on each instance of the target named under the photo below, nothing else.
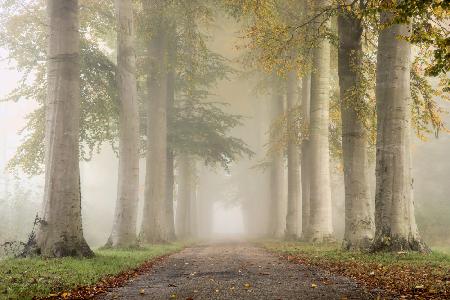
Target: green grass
(398, 274)
(333, 252)
(27, 277)
(442, 249)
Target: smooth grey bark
(170, 193)
(277, 213)
(321, 226)
(359, 206)
(293, 164)
(305, 157)
(395, 222)
(60, 231)
(125, 217)
(170, 110)
(155, 224)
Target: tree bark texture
(395, 222)
(155, 225)
(125, 217)
(170, 111)
(293, 164)
(321, 226)
(60, 231)
(305, 157)
(359, 220)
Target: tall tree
(185, 199)
(125, 217)
(277, 217)
(305, 156)
(60, 232)
(171, 85)
(155, 225)
(359, 222)
(395, 222)
(293, 162)
(321, 226)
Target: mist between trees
(150, 121)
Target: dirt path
(235, 271)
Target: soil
(235, 271)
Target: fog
(231, 203)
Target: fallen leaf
(419, 287)
(313, 285)
(142, 291)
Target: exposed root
(385, 243)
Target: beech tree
(125, 217)
(321, 226)
(359, 221)
(277, 175)
(60, 231)
(396, 227)
(293, 162)
(305, 157)
(155, 224)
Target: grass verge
(404, 275)
(36, 277)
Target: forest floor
(401, 275)
(25, 278)
(261, 270)
(236, 271)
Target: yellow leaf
(313, 285)
(419, 287)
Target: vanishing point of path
(235, 271)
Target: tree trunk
(124, 225)
(194, 209)
(396, 227)
(321, 226)
(305, 157)
(293, 164)
(277, 216)
(359, 222)
(155, 224)
(60, 231)
(184, 201)
(170, 111)
(170, 193)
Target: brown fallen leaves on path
(397, 280)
